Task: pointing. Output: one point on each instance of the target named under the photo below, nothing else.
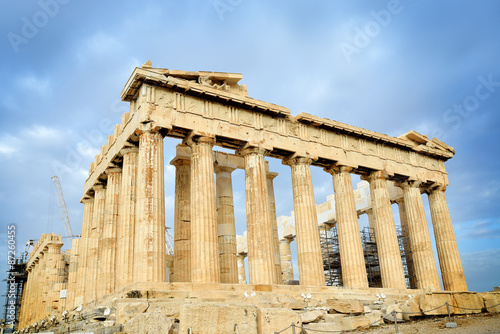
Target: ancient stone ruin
(120, 279)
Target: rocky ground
(472, 324)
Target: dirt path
(474, 324)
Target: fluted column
(391, 265)
(272, 207)
(350, 247)
(420, 239)
(286, 260)
(182, 221)
(226, 224)
(371, 220)
(93, 253)
(107, 265)
(74, 265)
(261, 264)
(204, 242)
(306, 223)
(88, 211)
(125, 229)
(452, 271)
(48, 286)
(149, 243)
(242, 277)
(58, 277)
(406, 243)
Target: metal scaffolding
(15, 282)
(331, 256)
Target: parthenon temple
(121, 254)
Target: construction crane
(169, 241)
(62, 207)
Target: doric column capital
(87, 199)
(336, 168)
(223, 169)
(435, 187)
(129, 149)
(148, 127)
(271, 175)
(400, 200)
(409, 184)
(247, 150)
(177, 162)
(375, 175)
(297, 160)
(112, 170)
(98, 186)
(193, 139)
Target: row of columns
(123, 230)
(124, 223)
(263, 246)
(414, 225)
(46, 278)
(200, 258)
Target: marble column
(420, 239)
(452, 271)
(306, 223)
(351, 250)
(107, 265)
(272, 207)
(389, 255)
(125, 229)
(46, 282)
(58, 277)
(261, 264)
(93, 252)
(371, 220)
(242, 277)
(182, 221)
(286, 260)
(226, 224)
(88, 209)
(407, 245)
(149, 243)
(204, 241)
(74, 264)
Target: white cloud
(87, 151)
(8, 145)
(41, 132)
(99, 44)
(35, 84)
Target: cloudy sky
(388, 66)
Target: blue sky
(387, 66)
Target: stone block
(374, 316)
(467, 303)
(394, 307)
(270, 320)
(288, 301)
(345, 306)
(149, 323)
(335, 317)
(433, 303)
(128, 309)
(314, 328)
(490, 299)
(349, 323)
(311, 316)
(218, 318)
(171, 308)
